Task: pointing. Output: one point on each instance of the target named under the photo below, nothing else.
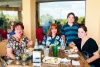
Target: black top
(89, 47)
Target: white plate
(65, 60)
(51, 60)
(75, 62)
(69, 52)
(74, 55)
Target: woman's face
(18, 30)
(70, 18)
(54, 31)
(12, 24)
(81, 33)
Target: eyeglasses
(11, 25)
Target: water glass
(46, 51)
(17, 59)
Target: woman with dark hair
(17, 43)
(87, 46)
(53, 34)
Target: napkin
(73, 55)
(75, 62)
(65, 60)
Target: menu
(37, 57)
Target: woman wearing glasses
(11, 27)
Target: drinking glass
(85, 54)
(17, 59)
(46, 51)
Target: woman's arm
(94, 57)
(10, 53)
(73, 46)
(94, 48)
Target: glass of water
(46, 51)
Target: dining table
(61, 54)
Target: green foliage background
(7, 19)
(62, 21)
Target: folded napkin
(65, 60)
(73, 55)
(75, 62)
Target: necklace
(19, 39)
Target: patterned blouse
(48, 40)
(17, 47)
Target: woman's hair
(51, 27)
(18, 24)
(70, 14)
(83, 27)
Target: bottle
(62, 44)
(37, 53)
(55, 42)
(36, 44)
(55, 48)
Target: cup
(55, 50)
(46, 52)
(17, 59)
(62, 47)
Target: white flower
(57, 37)
(47, 43)
(43, 42)
(60, 39)
(57, 42)
(48, 38)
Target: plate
(51, 60)
(71, 51)
(29, 50)
(73, 55)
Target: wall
(93, 19)
(28, 7)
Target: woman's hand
(30, 44)
(75, 48)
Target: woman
(70, 29)
(52, 36)
(17, 43)
(87, 46)
(12, 27)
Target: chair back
(2, 49)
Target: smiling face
(54, 30)
(81, 33)
(18, 30)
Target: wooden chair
(2, 63)
(2, 49)
(2, 53)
